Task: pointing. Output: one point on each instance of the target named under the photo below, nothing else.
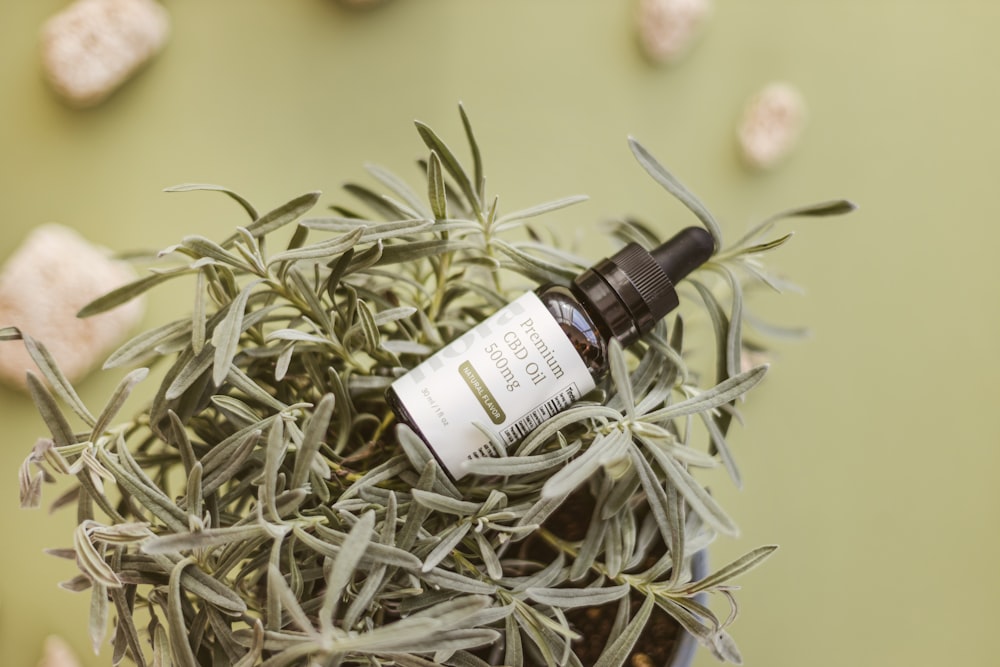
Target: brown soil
(657, 642)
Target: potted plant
(264, 508)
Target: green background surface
(871, 451)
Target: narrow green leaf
(535, 211)
(722, 393)
(677, 517)
(149, 496)
(194, 496)
(289, 602)
(570, 598)
(399, 188)
(30, 485)
(180, 648)
(734, 337)
(313, 438)
(145, 344)
(605, 449)
(741, 565)
(188, 369)
(409, 252)
(177, 543)
(307, 290)
(821, 209)
(126, 630)
(617, 651)
(724, 648)
(352, 550)
(533, 266)
(596, 538)
(436, 191)
(226, 336)
(251, 249)
(57, 380)
(572, 415)
(236, 410)
(117, 400)
(279, 217)
(457, 582)
(477, 159)
(202, 247)
(253, 654)
(214, 592)
(324, 250)
(372, 199)
(161, 645)
(720, 326)
(620, 377)
(769, 245)
(701, 502)
(375, 231)
(452, 537)
(445, 504)
(523, 465)
(190, 187)
(199, 317)
(674, 187)
(366, 321)
(513, 649)
(328, 543)
(91, 561)
(62, 432)
(660, 504)
(491, 561)
(691, 621)
(722, 448)
(98, 625)
(274, 454)
(451, 165)
(129, 291)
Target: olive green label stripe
(482, 393)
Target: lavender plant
(264, 508)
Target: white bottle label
(508, 374)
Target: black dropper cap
(634, 289)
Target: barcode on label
(532, 420)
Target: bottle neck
(620, 303)
(605, 308)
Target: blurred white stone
(669, 28)
(93, 46)
(771, 125)
(57, 653)
(43, 285)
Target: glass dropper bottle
(541, 353)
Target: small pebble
(57, 653)
(771, 125)
(43, 285)
(669, 28)
(93, 46)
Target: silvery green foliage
(264, 509)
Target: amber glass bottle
(542, 352)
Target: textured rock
(43, 285)
(771, 125)
(57, 653)
(93, 46)
(669, 28)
